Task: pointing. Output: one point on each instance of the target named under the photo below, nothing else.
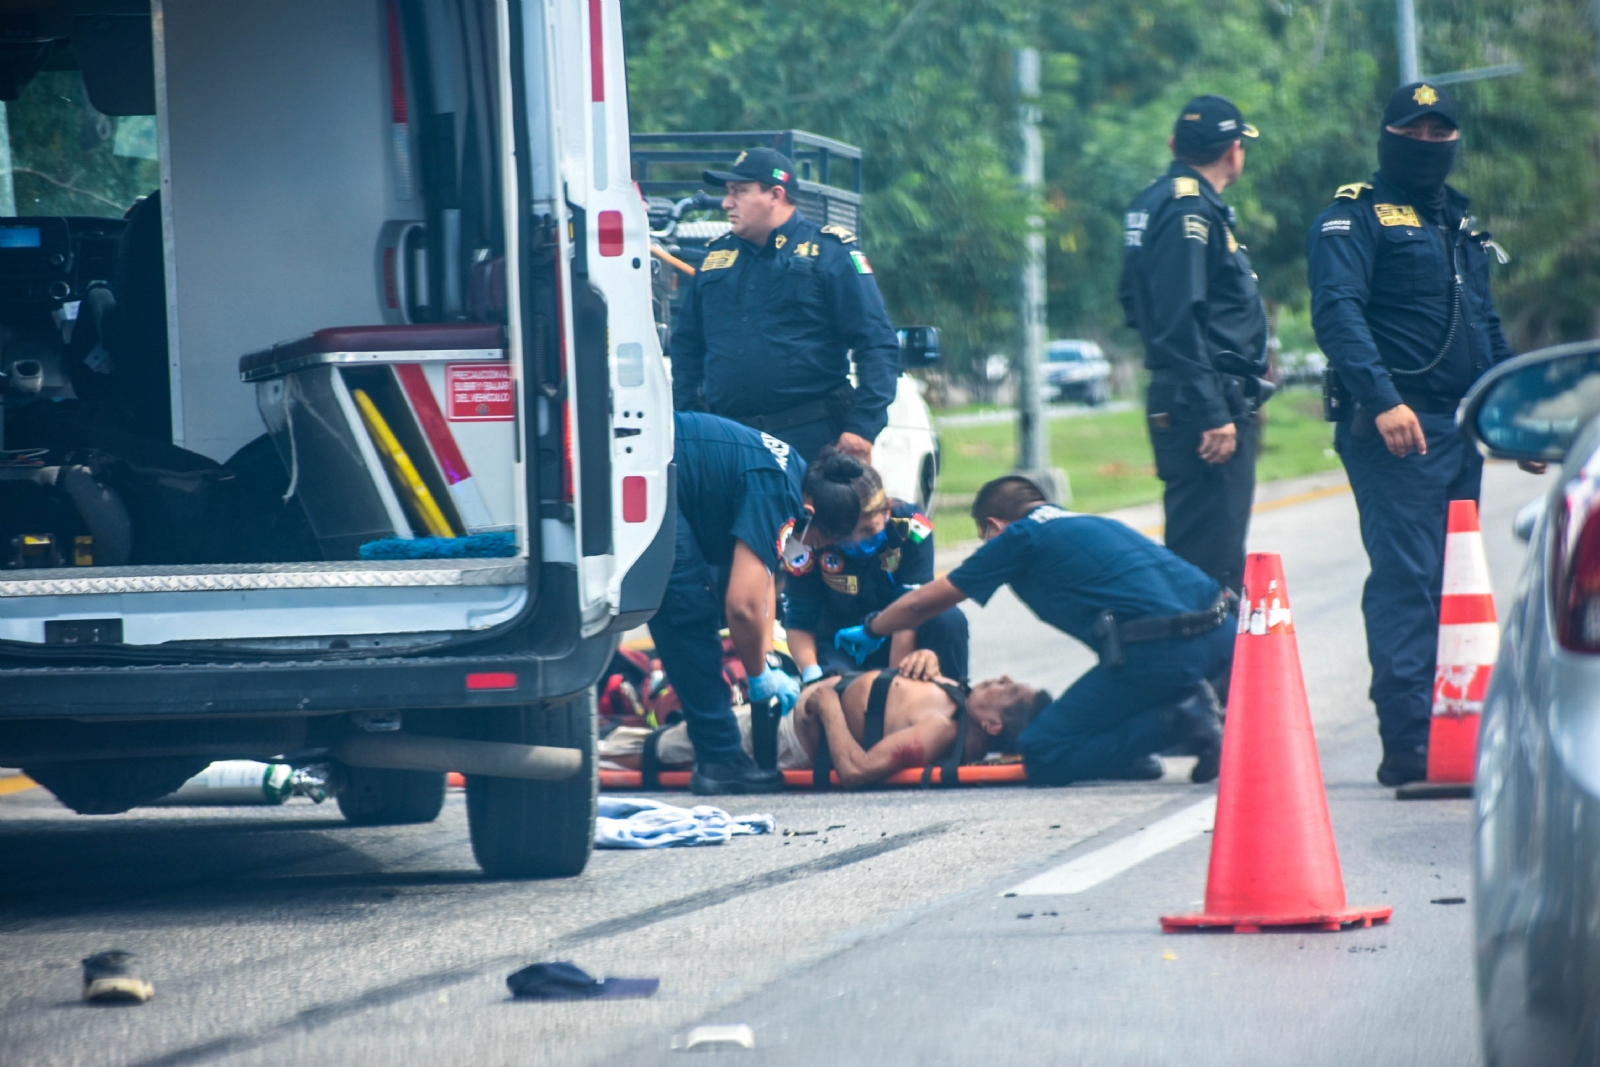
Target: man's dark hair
(1201, 157)
(1007, 499)
(841, 488)
(1018, 716)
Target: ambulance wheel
(372, 797)
(530, 829)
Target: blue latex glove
(774, 683)
(810, 674)
(856, 641)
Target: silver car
(1538, 790)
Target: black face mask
(1418, 167)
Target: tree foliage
(926, 88)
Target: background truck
(685, 217)
(336, 425)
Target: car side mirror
(1532, 407)
(919, 346)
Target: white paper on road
(1106, 863)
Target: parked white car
(1077, 370)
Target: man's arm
(916, 608)
(863, 326)
(687, 347)
(1176, 256)
(748, 606)
(912, 747)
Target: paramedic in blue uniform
(774, 316)
(1187, 287)
(1401, 306)
(738, 497)
(867, 550)
(1163, 630)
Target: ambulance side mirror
(919, 346)
(1534, 406)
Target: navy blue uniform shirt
(767, 328)
(1382, 293)
(735, 484)
(1069, 568)
(832, 590)
(1187, 287)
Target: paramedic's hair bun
(838, 487)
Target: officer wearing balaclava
(1400, 301)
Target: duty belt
(833, 405)
(1114, 635)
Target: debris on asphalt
(801, 833)
(716, 1038)
(564, 980)
(1024, 914)
(835, 826)
(1449, 900)
(635, 822)
(109, 979)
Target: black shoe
(1400, 768)
(1197, 723)
(1144, 769)
(711, 779)
(108, 979)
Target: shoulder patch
(859, 259)
(1352, 191)
(1196, 228)
(1336, 224)
(1397, 215)
(845, 236)
(1185, 187)
(720, 259)
(920, 528)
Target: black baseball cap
(1207, 122)
(767, 165)
(1411, 102)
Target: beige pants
(675, 750)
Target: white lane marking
(1103, 864)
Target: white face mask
(796, 553)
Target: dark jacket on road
(1187, 287)
(769, 328)
(1382, 297)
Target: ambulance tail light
(566, 454)
(1575, 595)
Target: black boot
(1144, 769)
(1196, 724)
(741, 776)
(1400, 768)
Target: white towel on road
(630, 822)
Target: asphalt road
(283, 936)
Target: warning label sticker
(479, 392)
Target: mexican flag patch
(921, 527)
(860, 260)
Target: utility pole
(1033, 432)
(1406, 18)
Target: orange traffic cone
(1273, 859)
(1469, 637)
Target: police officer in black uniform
(774, 316)
(1401, 305)
(861, 561)
(1187, 287)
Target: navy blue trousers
(809, 438)
(1112, 716)
(945, 635)
(1405, 508)
(685, 630)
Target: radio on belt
(391, 431)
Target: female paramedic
(867, 551)
(738, 496)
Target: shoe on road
(1197, 723)
(713, 779)
(109, 979)
(1402, 768)
(1144, 769)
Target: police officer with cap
(774, 315)
(1401, 306)
(1187, 287)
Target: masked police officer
(1400, 302)
(738, 497)
(1187, 287)
(774, 315)
(868, 550)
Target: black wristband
(866, 623)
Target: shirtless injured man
(867, 726)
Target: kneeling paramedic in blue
(866, 552)
(1162, 629)
(738, 496)
(1401, 305)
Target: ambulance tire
(531, 829)
(372, 797)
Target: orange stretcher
(972, 774)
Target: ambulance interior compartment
(319, 285)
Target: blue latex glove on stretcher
(774, 683)
(858, 643)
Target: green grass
(1107, 456)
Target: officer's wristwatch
(866, 624)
